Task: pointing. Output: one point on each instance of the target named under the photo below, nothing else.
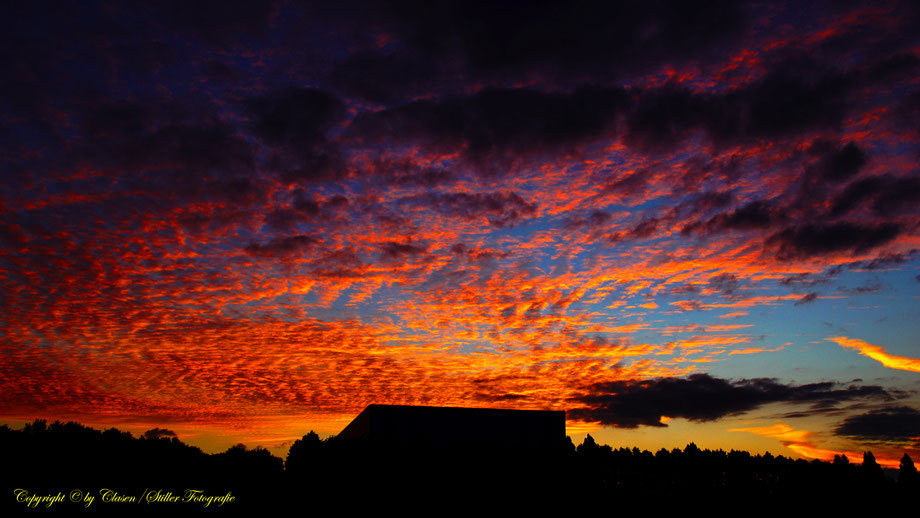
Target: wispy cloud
(878, 354)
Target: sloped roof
(442, 426)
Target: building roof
(445, 426)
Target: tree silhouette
(588, 446)
(36, 427)
(304, 454)
(156, 433)
(870, 468)
(907, 474)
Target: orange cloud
(780, 431)
(754, 350)
(878, 354)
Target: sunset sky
(241, 221)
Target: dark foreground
(66, 468)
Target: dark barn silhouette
(437, 454)
(444, 427)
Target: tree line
(59, 454)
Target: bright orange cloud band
(878, 354)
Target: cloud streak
(878, 354)
(802, 442)
(897, 424)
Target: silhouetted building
(450, 426)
